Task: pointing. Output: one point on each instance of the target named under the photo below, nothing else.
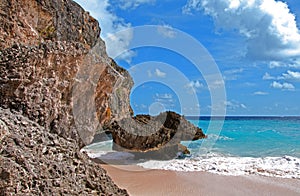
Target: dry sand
(159, 182)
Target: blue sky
(255, 44)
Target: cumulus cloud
(166, 31)
(289, 63)
(195, 84)
(288, 76)
(160, 73)
(117, 44)
(268, 25)
(291, 75)
(283, 86)
(156, 73)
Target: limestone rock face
(55, 70)
(33, 21)
(56, 81)
(34, 161)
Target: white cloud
(291, 75)
(195, 84)
(283, 86)
(274, 64)
(260, 93)
(156, 73)
(268, 25)
(191, 5)
(166, 31)
(110, 23)
(159, 73)
(131, 4)
(118, 45)
(293, 63)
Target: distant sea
(268, 146)
(254, 136)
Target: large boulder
(155, 137)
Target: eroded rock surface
(155, 137)
(31, 22)
(53, 67)
(55, 70)
(34, 161)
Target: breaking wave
(285, 167)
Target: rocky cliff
(55, 70)
(55, 84)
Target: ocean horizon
(241, 117)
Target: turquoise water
(253, 136)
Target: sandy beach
(139, 181)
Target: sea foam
(285, 167)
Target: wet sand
(139, 181)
